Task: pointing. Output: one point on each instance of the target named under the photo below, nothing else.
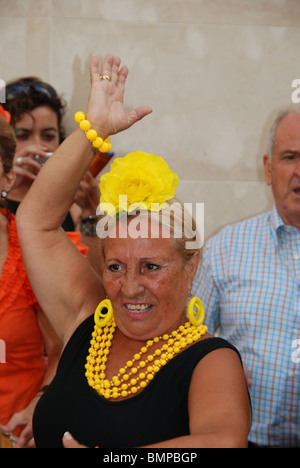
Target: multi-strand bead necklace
(139, 371)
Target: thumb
(3, 428)
(14, 422)
(137, 114)
(70, 442)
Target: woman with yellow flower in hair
(137, 369)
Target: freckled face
(148, 285)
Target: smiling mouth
(138, 308)
(297, 190)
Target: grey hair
(271, 143)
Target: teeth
(137, 307)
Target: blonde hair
(175, 221)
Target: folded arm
(219, 405)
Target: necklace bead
(137, 373)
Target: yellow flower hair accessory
(139, 180)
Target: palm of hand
(105, 108)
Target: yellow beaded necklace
(137, 373)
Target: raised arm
(66, 286)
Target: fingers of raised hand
(109, 70)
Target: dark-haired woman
(37, 113)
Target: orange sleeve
(75, 238)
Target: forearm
(209, 440)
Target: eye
(22, 136)
(152, 266)
(49, 136)
(114, 267)
(291, 157)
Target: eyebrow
(24, 129)
(116, 260)
(20, 129)
(289, 151)
(50, 129)
(143, 259)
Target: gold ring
(104, 77)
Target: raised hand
(105, 108)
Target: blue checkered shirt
(249, 283)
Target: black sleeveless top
(158, 413)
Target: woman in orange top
(24, 332)
(29, 347)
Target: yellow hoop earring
(196, 317)
(103, 313)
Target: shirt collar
(276, 221)
(278, 226)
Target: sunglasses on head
(13, 90)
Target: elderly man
(250, 286)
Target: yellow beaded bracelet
(91, 134)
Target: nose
(37, 139)
(132, 284)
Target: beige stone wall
(214, 71)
